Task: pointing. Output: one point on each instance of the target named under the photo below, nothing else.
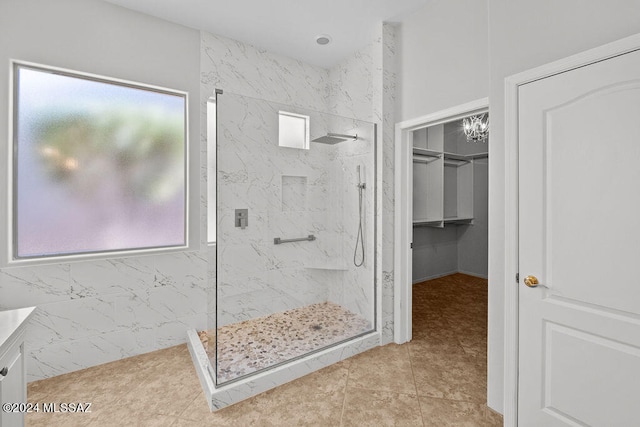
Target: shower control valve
(242, 218)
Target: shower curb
(237, 391)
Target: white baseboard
(468, 273)
(437, 276)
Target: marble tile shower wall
(238, 68)
(286, 193)
(359, 88)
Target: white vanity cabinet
(13, 377)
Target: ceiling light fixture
(476, 128)
(323, 39)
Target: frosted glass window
(98, 166)
(293, 130)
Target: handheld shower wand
(360, 237)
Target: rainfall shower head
(334, 138)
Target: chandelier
(476, 128)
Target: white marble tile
(173, 332)
(182, 269)
(136, 310)
(252, 195)
(298, 284)
(256, 232)
(242, 307)
(294, 193)
(242, 282)
(240, 68)
(34, 285)
(74, 319)
(68, 356)
(104, 277)
(245, 258)
(173, 301)
(351, 87)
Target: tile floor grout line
(415, 385)
(344, 399)
(188, 406)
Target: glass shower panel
(288, 220)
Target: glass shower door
(295, 195)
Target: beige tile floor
(438, 379)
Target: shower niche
(294, 290)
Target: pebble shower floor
(259, 343)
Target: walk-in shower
(292, 211)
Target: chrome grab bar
(278, 240)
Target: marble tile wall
(364, 86)
(243, 69)
(93, 312)
(351, 86)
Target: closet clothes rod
(278, 240)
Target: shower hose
(360, 236)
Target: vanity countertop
(12, 321)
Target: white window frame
(10, 259)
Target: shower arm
(342, 135)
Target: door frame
(511, 313)
(403, 208)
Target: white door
(579, 234)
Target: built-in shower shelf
(328, 266)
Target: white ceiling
(287, 27)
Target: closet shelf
(426, 152)
(441, 222)
(459, 157)
(424, 159)
(417, 222)
(455, 162)
(458, 220)
(478, 156)
(464, 157)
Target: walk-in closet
(449, 292)
(450, 193)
